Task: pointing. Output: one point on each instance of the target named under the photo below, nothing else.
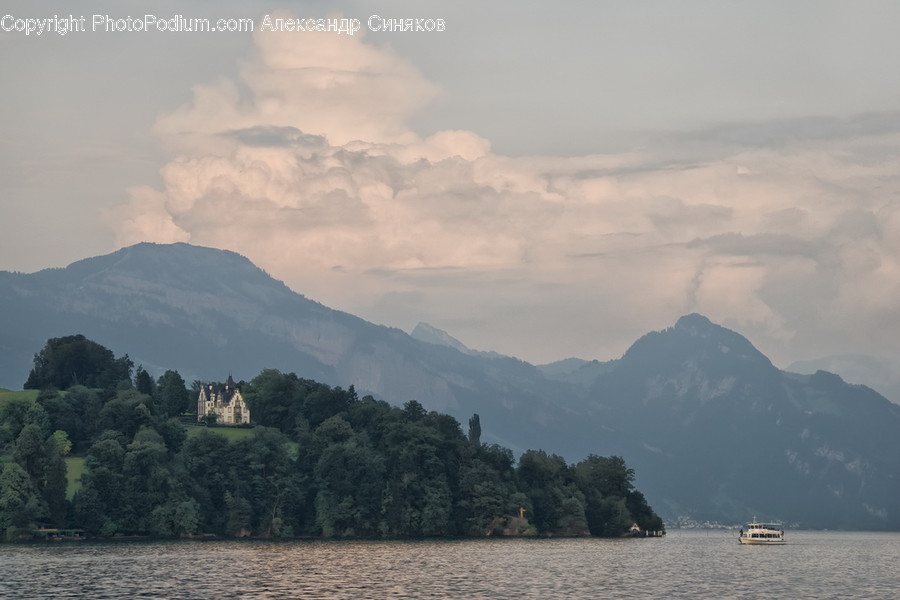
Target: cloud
(320, 84)
(307, 164)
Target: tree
(63, 442)
(76, 360)
(606, 482)
(421, 455)
(240, 515)
(75, 412)
(487, 482)
(127, 412)
(475, 429)
(643, 515)
(267, 480)
(143, 382)
(172, 395)
(53, 481)
(176, 517)
(272, 399)
(145, 480)
(16, 414)
(572, 520)
(608, 475)
(545, 480)
(208, 461)
(351, 467)
(350, 479)
(414, 410)
(607, 517)
(30, 452)
(20, 504)
(335, 430)
(99, 506)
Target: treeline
(320, 462)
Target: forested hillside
(695, 408)
(320, 462)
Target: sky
(544, 180)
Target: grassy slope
(74, 468)
(7, 395)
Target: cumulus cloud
(307, 164)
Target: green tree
(143, 382)
(271, 487)
(127, 412)
(607, 517)
(208, 461)
(172, 431)
(240, 515)
(334, 430)
(643, 515)
(608, 475)
(572, 518)
(63, 442)
(53, 482)
(172, 395)
(76, 360)
(273, 399)
(41, 459)
(475, 430)
(487, 483)
(145, 480)
(421, 465)
(29, 451)
(20, 504)
(175, 518)
(546, 481)
(606, 482)
(414, 410)
(323, 402)
(352, 467)
(350, 481)
(76, 412)
(16, 414)
(100, 505)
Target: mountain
(210, 313)
(712, 428)
(878, 373)
(432, 335)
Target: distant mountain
(432, 335)
(712, 428)
(563, 368)
(715, 430)
(209, 313)
(877, 373)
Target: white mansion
(224, 401)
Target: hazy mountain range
(713, 429)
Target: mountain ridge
(695, 408)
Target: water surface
(684, 564)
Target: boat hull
(761, 542)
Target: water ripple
(682, 565)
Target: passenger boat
(766, 534)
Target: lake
(684, 564)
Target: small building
(224, 401)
